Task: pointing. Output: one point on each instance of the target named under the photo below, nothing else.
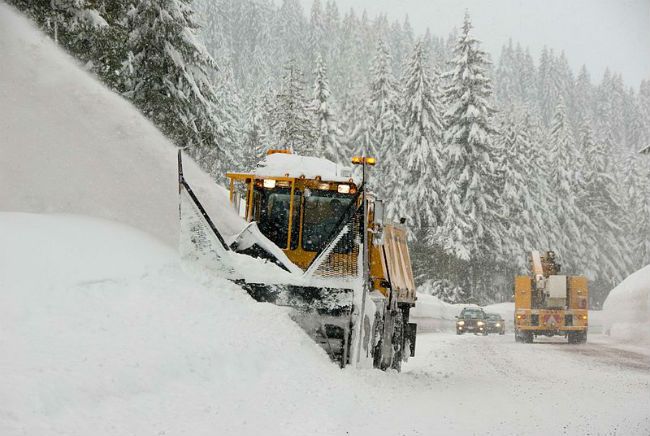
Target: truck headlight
(480, 323)
(498, 324)
(461, 323)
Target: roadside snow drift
(626, 310)
(102, 333)
(70, 145)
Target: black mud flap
(410, 334)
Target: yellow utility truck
(548, 303)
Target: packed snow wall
(626, 310)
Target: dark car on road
(471, 319)
(495, 323)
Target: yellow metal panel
(523, 288)
(398, 263)
(291, 201)
(578, 292)
(249, 213)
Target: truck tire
(581, 338)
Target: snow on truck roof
(293, 165)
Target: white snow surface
(293, 165)
(102, 333)
(70, 145)
(626, 311)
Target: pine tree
(575, 231)
(644, 111)
(468, 227)
(357, 125)
(168, 79)
(255, 133)
(422, 163)
(292, 122)
(601, 203)
(316, 41)
(637, 198)
(384, 107)
(506, 76)
(230, 115)
(327, 133)
(94, 32)
(522, 199)
(292, 33)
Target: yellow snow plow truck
(314, 240)
(549, 304)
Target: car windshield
(472, 314)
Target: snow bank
(433, 314)
(70, 145)
(626, 311)
(102, 333)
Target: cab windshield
(273, 219)
(323, 210)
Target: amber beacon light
(360, 160)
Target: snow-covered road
(492, 385)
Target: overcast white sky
(598, 33)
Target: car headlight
(461, 322)
(498, 324)
(480, 323)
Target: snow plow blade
(253, 262)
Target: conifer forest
(486, 158)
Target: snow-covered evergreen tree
(522, 201)
(292, 121)
(327, 133)
(357, 125)
(575, 232)
(384, 106)
(644, 111)
(636, 170)
(168, 79)
(420, 154)
(316, 38)
(470, 223)
(602, 204)
(255, 133)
